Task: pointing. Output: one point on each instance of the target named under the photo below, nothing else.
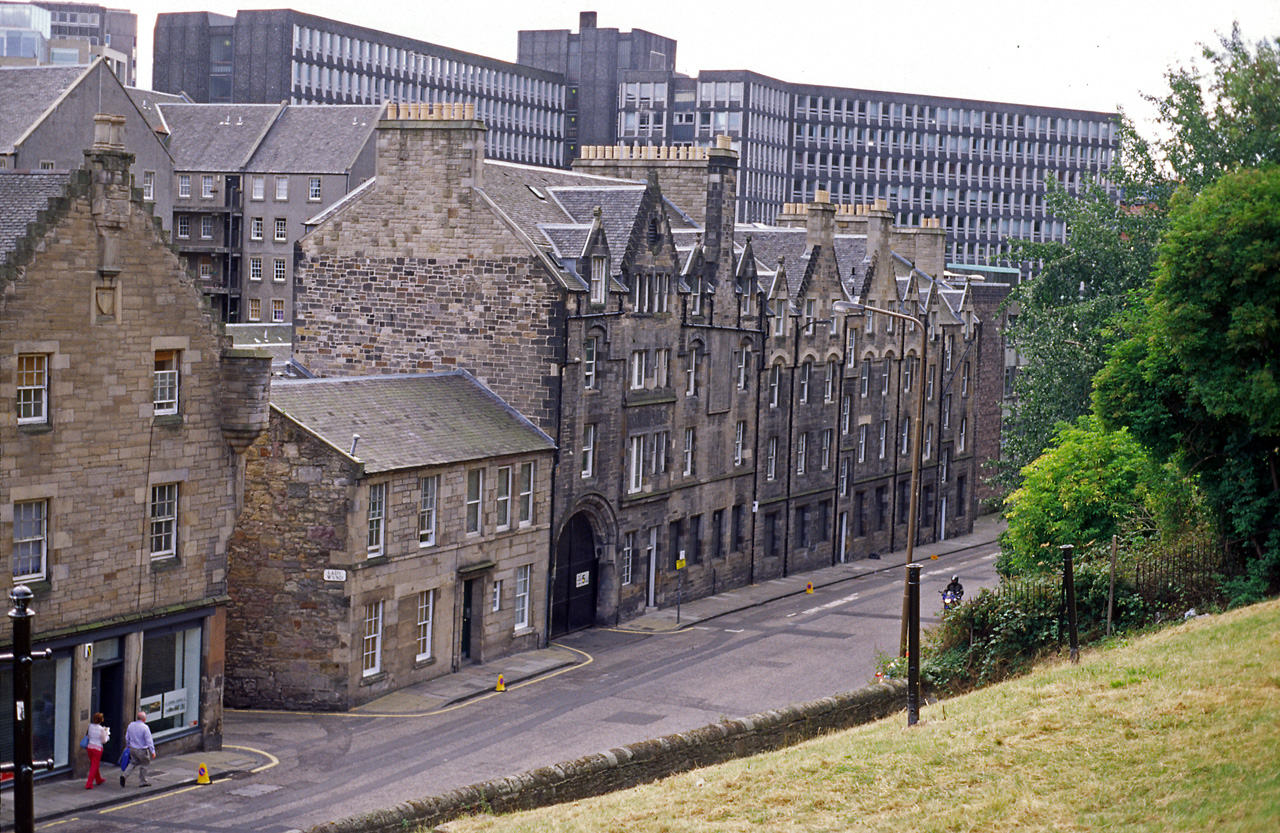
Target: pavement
(57, 797)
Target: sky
(1083, 54)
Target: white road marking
(830, 605)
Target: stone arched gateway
(582, 591)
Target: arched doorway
(574, 578)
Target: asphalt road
(635, 687)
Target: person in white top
(99, 734)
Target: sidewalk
(56, 798)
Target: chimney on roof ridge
(820, 222)
(586, 20)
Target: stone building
(122, 448)
(394, 528)
(652, 341)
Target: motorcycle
(952, 595)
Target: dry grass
(1178, 731)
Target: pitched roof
(146, 101)
(408, 421)
(215, 137)
(320, 139)
(23, 195)
(27, 93)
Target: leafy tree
(1080, 490)
(1198, 381)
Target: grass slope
(1176, 731)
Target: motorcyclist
(954, 592)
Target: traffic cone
(809, 588)
(202, 774)
(502, 686)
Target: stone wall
(637, 763)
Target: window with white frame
(426, 620)
(279, 275)
(255, 309)
(30, 539)
(946, 411)
(495, 594)
(428, 493)
(257, 188)
(255, 228)
(829, 391)
(277, 310)
(846, 413)
(886, 369)
(844, 477)
(658, 446)
(826, 448)
(502, 498)
(905, 444)
(691, 370)
(475, 491)
(744, 368)
(689, 439)
(526, 493)
(282, 188)
(377, 517)
(33, 389)
(627, 558)
(599, 279)
(282, 230)
(589, 449)
(964, 380)
(164, 521)
(944, 464)
(775, 379)
(166, 382)
(739, 442)
(884, 433)
(371, 648)
(850, 356)
(313, 191)
(184, 185)
(206, 226)
(662, 368)
(802, 451)
(206, 186)
(635, 463)
(865, 381)
(639, 368)
(149, 185)
(184, 226)
(806, 371)
(928, 441)
(908, 373)
(589, 362)
(862, 443)
(524, 574)
(809, 316)
(771, 459)
(964, 424)
(255, 268)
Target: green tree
(1081, 490)
(1198, 380)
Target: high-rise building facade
(69, 34)
(266, 57)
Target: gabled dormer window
(599, 278)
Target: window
(771, 535)
(184, 226)
(717, 533)
(771, 459)
(627, 558)
(662, 368)
(523, 574)
(946, 411)
(866, 377)
(906, 435)
(739, 439)
(928, 441)
(695, 539)
(944, 464)
(589, 362)
(844, 477)
(809, 316)
(149, 185)
(908, 371)
(277, 310)
(639, 368)
(255, 228)
(829, 392)
(313, 190)
(775, 374)
(475, 488)
(691, 371)
(599, 279)
(802, 526)
(635, 464)
(503, 498)
(688, 451)
(282, 230)
(736, 523)
(184, 185)
(255, 309)
(282, 188)
(255, 268)
(495, 603)
(257, 188)
(33, 389)
(279, 275)
(206, 186)
(806, 370)
(802, 452)
(862, 443)
(164, 520)
(846, 412)
(964, 380)
(589, 450)
(371, 655)
(426, 617)
(964, 423)
(826, 449)
(206, 226)
(429, 489)
(526, 493)
(886, 369)
(744, 366)
(377, 514)
(30, 539)
(166, 382)
(884, 432)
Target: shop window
(171, 680)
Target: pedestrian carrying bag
(124, 759)
(84, 741)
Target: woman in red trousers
(98, 736)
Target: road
(635, 687)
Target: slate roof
(215, 137)
(22, 196)
(27, 93)
(409, 421)
(319, 139)
(146, 101)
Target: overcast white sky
(1086, 54)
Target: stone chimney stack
(879, 229)
(820, 222)
(721, 204)
(430, 155)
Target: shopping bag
(124, 759)
(84, 742)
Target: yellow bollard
(202, 774)
(501, 684)
(809, 588)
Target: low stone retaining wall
(638, 763)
